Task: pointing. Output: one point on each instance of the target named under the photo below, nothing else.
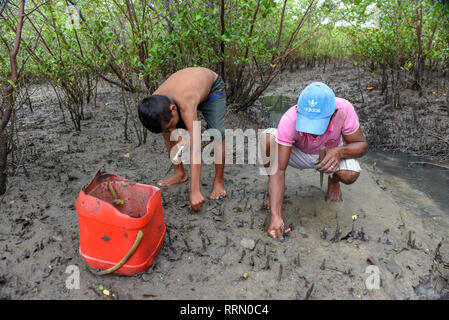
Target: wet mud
(222, 251)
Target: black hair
(154, 111)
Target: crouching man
(318, 120)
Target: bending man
(174, 105)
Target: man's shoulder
(287, 123)
(345, 106)
(290, 114)
(341, 103)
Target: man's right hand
(196, 200)
(276, 229)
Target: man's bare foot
(176, 178)
(333, 191)
(218, 191)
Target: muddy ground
(202, 256)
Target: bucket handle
(125, 258)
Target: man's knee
(347, 176)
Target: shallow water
(422, 188)
(277, 106)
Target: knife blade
(321, 156)
(175, 159)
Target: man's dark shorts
(214, 108)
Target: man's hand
(330, 162)
(196, 200)
(276, 229)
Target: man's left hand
(330, 162)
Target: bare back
(188, 87)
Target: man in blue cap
(319, 121)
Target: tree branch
(12, 60)
(3, 6)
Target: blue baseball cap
(316, 104)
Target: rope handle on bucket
(125, 258)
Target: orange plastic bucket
(107, 231)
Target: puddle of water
(278, 105)
(422, 188)
(425, 189)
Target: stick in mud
(186, 244)
(267, 264)
(251, 223)
(226, 241)
(410, 242)
(242, 256)
(203, 241)
(309, 292)
(251, 261)
(168, 235)
(281, 268)
(324, 233)
(323, 265)
(437, 255)
(336, 237)
(297, 261)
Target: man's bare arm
(196, 198)
(276, 188)
(356, 147)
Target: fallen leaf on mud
(370, 88)
(106, 292)
(126, 155)
(245, 275)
